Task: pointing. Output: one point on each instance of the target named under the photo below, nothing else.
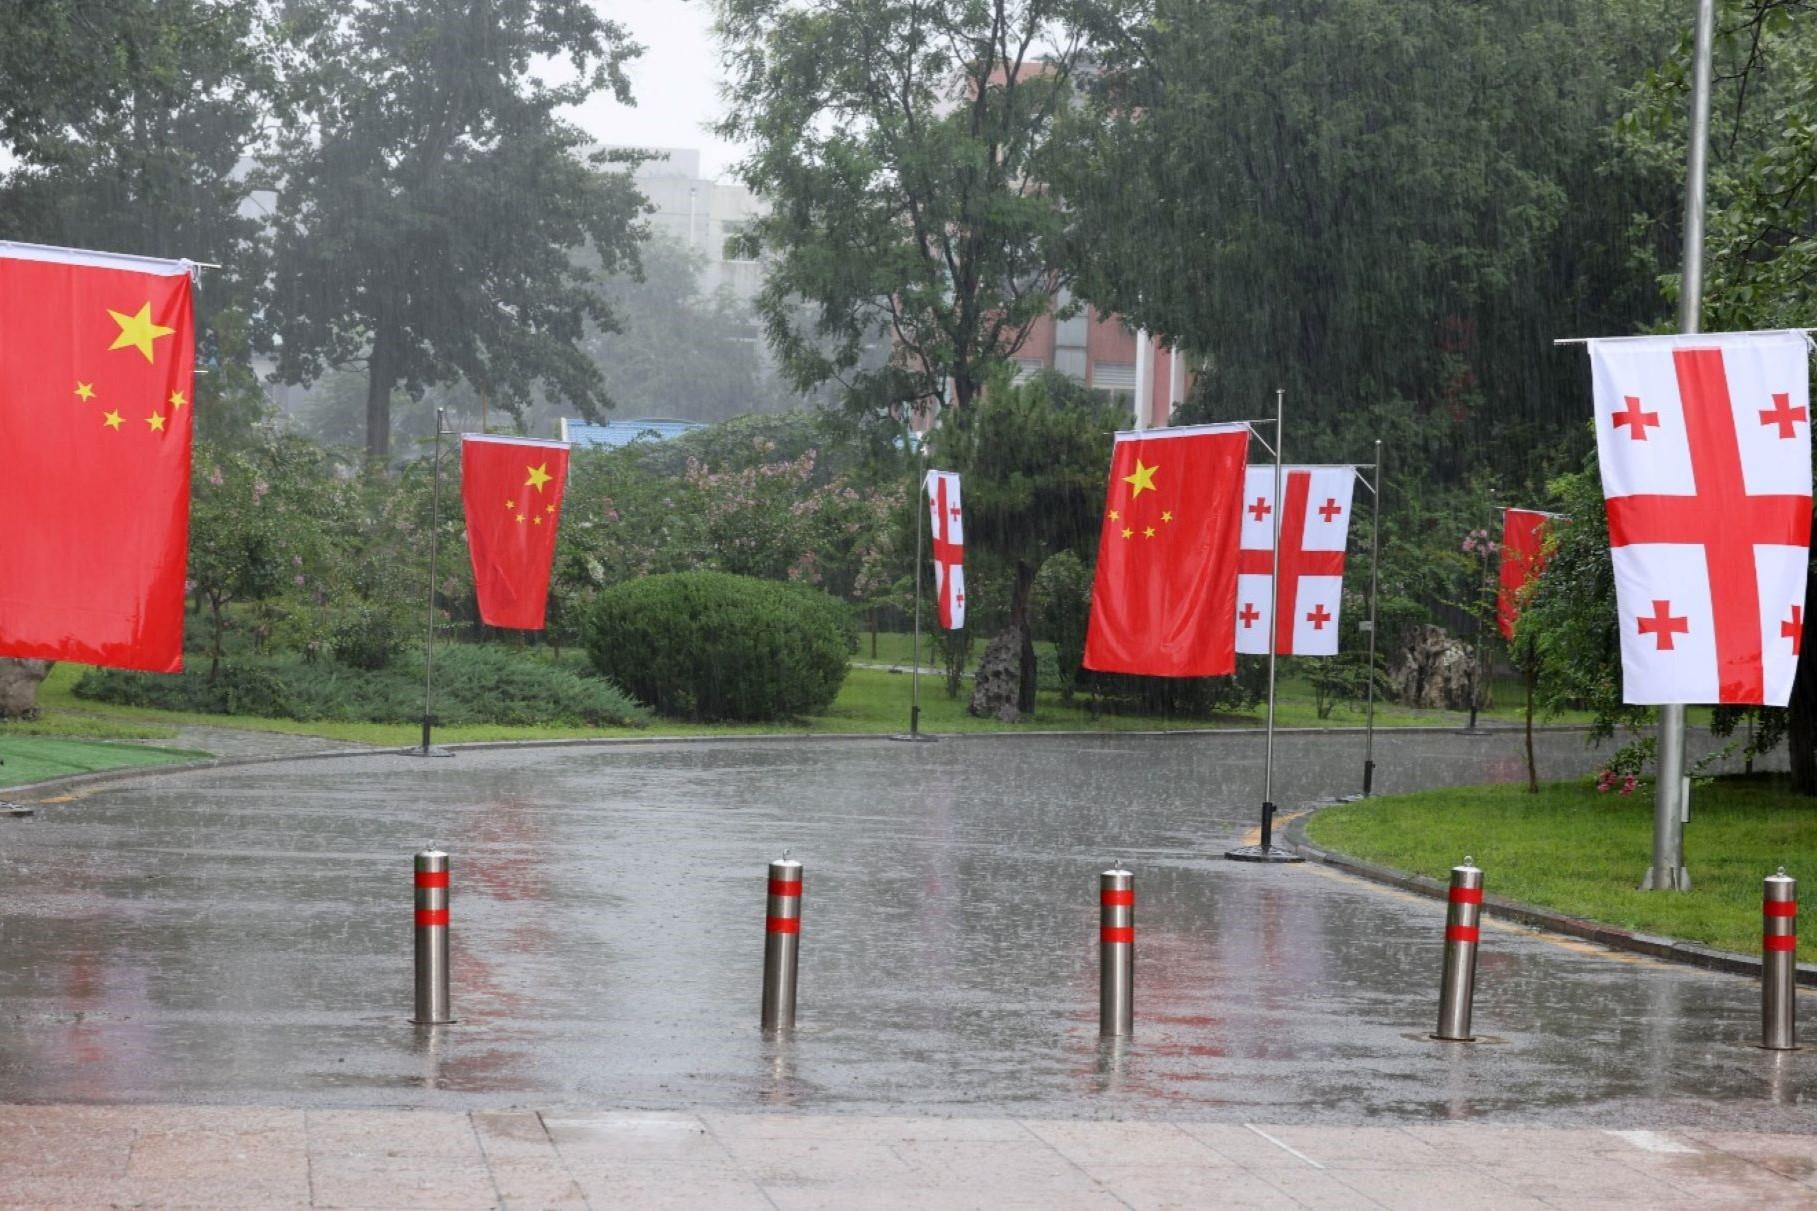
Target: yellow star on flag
(1166, 516)
(521, 517)
(177, 400)
(86, 391)
(538, 477)
(550, 508)
(1115, 516)
(156, 421)
(137, 331)
(112, 419)
(1129, 533)
(1148, 532)
(536, 521)
(1143, 480)
(511, 504)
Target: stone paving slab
(55, 1157)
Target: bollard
(431, 938)
(1779, 962)
(1459, 983)
(781, 944)
(1116, 952)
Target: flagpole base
(434, 750)
(1676, 880)
(1262, 853)
(914, 738)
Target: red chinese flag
(97, 354)
(512, 489)
(1164, 601)
(1523, 558)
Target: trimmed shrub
(714, 646)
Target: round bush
(713, 646)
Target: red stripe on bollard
(1461, 933)
(781, 887)
(432, 878)
(1117, 933)
(1115, 898)
(1783, 941)
(1779, 908)
(783, 924)
(431, 916)
(1466, 895)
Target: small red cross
(1783, 414)
(1330, 508)
(1664, 625)
(1635, 417)
(1261, 508)
(1794, 630)
(959, 600)
(1249, 615)
(1318, 618)
(955, 512)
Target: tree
(430, 201)
(904, 146)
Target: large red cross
(1721, 518)
(1296, 560)
(947, 553)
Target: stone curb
(1670, 949)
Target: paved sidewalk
(150, 1156)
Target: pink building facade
(1106, 355)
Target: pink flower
(1629, 783)
(215, 477)
(299, 581)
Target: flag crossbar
(1655, 336)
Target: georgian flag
(1315, 530)
(1705, 448)
(948, 530)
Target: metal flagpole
(1267, 850)
(1671, 795)
(435, 525)
(1375, 560)
(914, 732)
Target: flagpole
(1375, 560)
(1670, 795)
(920, 560)
(435, 526)
(1267, 850)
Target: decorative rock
(999, 679)
(19, 687)
(1433, 670)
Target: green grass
(35, 758)
(1571, 849)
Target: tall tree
(430, 200)
(904, 146)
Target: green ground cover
(1572, 849)
(35, 758)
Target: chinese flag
(512, 490)
(97, 357)
(1523, 559)
(1164, 601)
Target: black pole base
(1267, 851)
(1368, 778)
(914, 738)
(914, 735)
(426, 749)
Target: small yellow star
(1129, 533)
(1143, 480)
(1148, 532)
(549, 508)
(86, 391)
(521, 517)
(177, 400)
(536, 521)
(538, 477)
(112, 419)
(511, 504)
(1115, 516)
(137, 331)
(156, 421)
(1167, 517)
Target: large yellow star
(156, 421)
(1143, 480)
(138, 331)
(85, 391)
(111, 419)
(538, 477)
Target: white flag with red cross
(948, 530)
(1705, 447)
(1315, 529)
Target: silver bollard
(1116, 952)
(1779, 962)
(431, 938)
(1461, 930)
(781, 944)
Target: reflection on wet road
(243, 935)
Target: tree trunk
(1018, 616)
(214, 651)
(380, 377)
(1801, 720)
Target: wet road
(243, 935)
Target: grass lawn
(35, 758)
(1580, 852)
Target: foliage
(903, 145)
(472, 685)
(430, 197)
(715, 646)
(1061, 611)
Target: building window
(1114, 376)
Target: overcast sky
(675, 82)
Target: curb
(1670, 949)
